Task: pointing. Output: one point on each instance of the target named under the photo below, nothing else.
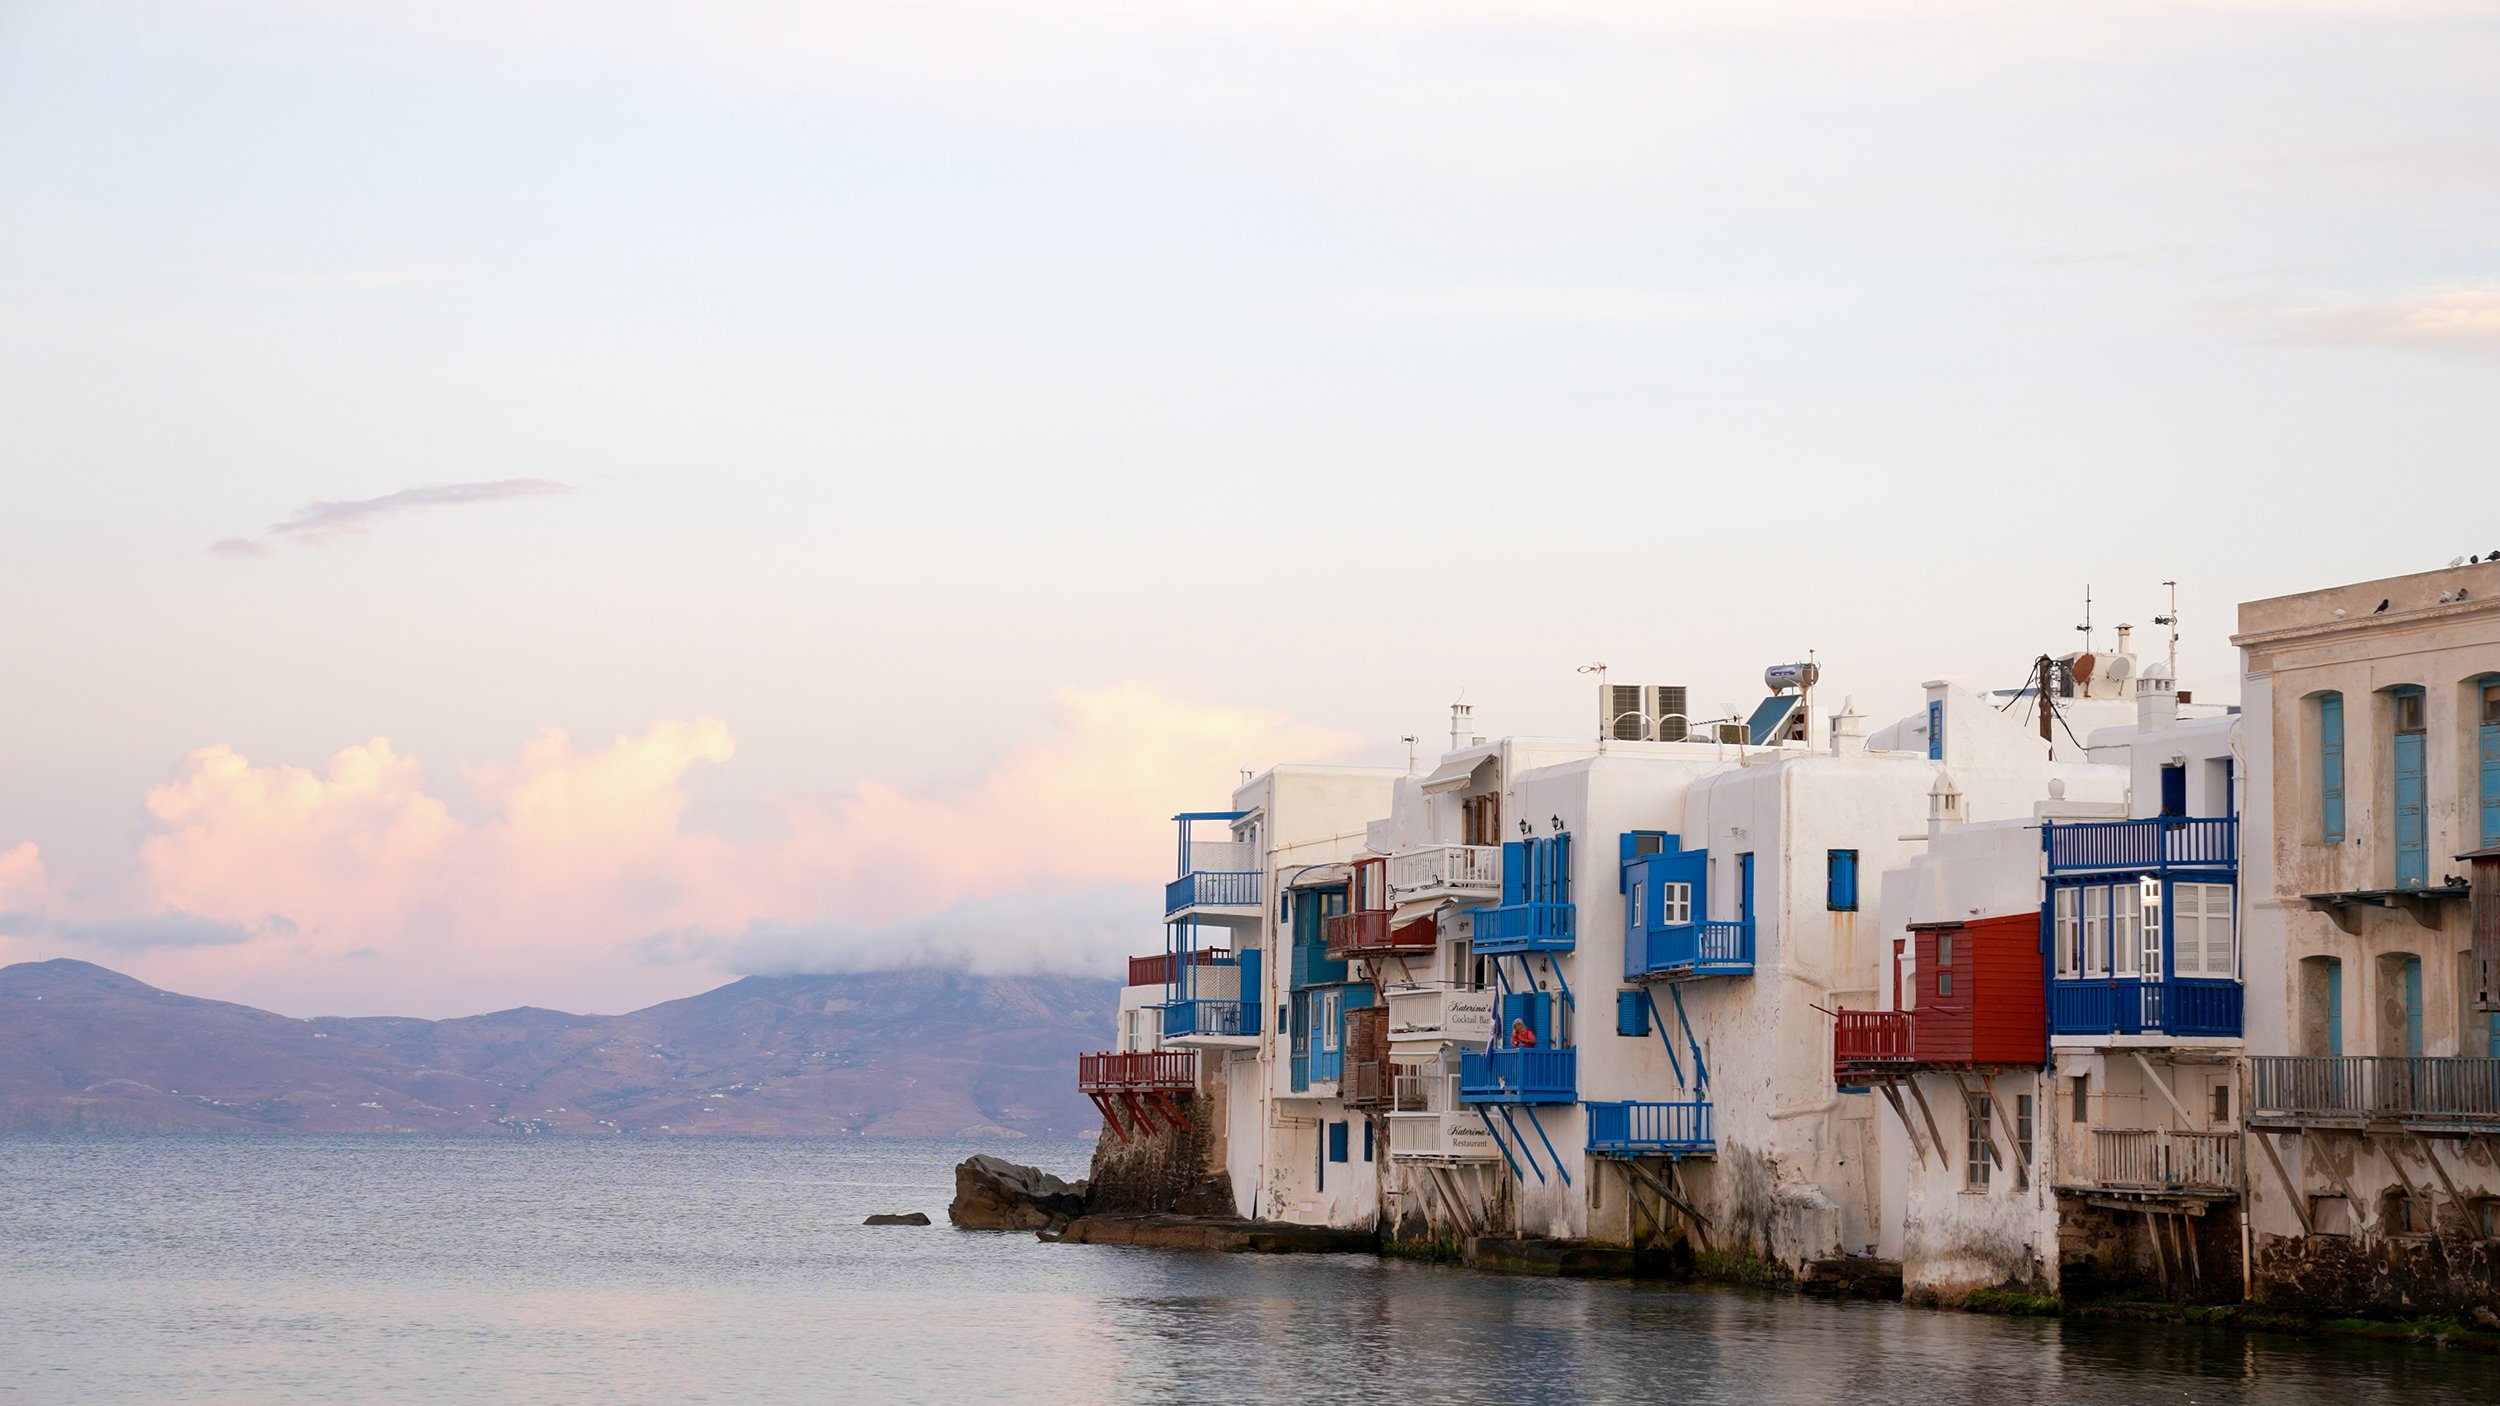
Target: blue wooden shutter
(1935, 729)
(2491, 783)
(1631, 1013)
(2331, 767)
(1514, 873)
(1367, 1139)
(1840, 880)
(1336, 1142)
(1744, 887)
(2412, 848)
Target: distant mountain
(921, 1053)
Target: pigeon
(2382, 609)
(2443, 597)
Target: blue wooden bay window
(1668, 933)
(1535, 914)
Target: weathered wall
(2449, 1274)
(2108, 1253)
(1169, 1169)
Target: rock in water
(992, 1193)
(906, 1218)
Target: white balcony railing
(1440, 1014)
(2131, 1159)
(1459, 1137)
(1458, 871)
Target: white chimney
(1462, 726)
(1944, 804)
(2156, 701)
(1848, 730)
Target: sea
(279, 1270)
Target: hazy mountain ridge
(926, 1052)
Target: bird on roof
(2382, 608)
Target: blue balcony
(1689, 950)
(2142, 846)
(1650, 1129)
(1519, 1076)
(1525, 927)
(1222, 888)
(2131, 1006)
(1210, 1018)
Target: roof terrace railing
(2160, 842)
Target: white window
(2069, 949)
(1675, 905)
(1328, 1020)
(2201, 937)
(1975, 1150)
(2127, 943)
(2096, 931)
(1637, 891)
(2148, 906)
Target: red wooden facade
(1364, 929)
(1978, 999)
(1157, 969)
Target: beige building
(2373, 1094)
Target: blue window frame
(1840, 880)
(1631, 1013)
(1336, 1142)
(2331, 768)
(1935, 729)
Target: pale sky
(566, 503)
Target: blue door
(1744, 888)
(2412, 851)
(2331, 767)
(2334, 1007)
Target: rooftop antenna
(1409, 740)
(2172, 620)
(1600, 671)
(2086, 627)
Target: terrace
(1147, 1086)
(1519, 1076)
(1217, 881)
(1446, 871)
(1637, 1129)
(2161, 842)
(2154, 1161)
(2359, 1091)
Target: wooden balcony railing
(2162, 842)
(2134, 1159)
(2366, 1088)
(1143, 1071)
(1519, 1076)
(1372, 934)
(1870, 1040)
(1525, 927)
(1636, 1129)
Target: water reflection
(322, 1270)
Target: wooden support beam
(2361, 1215)
(2152, 1232)
(2300, 1199)
(2187, 1233)
(2464, 1213)
(2005, 1119)
(2153, 1077)
(1942, 1155)
(1995, 1158)
(1918, 1142)
(1672, 1197)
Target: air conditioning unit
(1632, 712)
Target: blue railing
(1202, 1017)
(1694, 949)
(1211, 890)
(2164, 842)
(1519, 1076)
(1642, 1129)
(2129, 1006)
(1525, 927)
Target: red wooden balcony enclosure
(1147, 1085)
(1365, 930)
(1975, 998)
(1157, 969)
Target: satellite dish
(2121, 668)
(2082, 667)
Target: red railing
(1157, 969)
(1870, 1039)
(1356, 934)
(1170, 1071)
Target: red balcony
(1372, 935)
(1865, 1042)
(1146, 1085)
(1157, 969)
(1977, 1000)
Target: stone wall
(2450, 1274)
(2107, 1253)
(1167, 1170)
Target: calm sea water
(290, 1270)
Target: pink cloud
(363, 889)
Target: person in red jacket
(1521, 1037)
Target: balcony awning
(1456, 772)
(1321, 876)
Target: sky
(569, 503)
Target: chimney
(1848, 730)
(1462, 726)
(2156, 706)
(1944, 804)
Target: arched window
(2321, 1006)
(2400, 1004)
